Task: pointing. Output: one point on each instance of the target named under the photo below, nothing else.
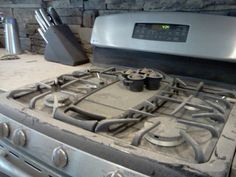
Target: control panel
(200, 36)
(161, 32)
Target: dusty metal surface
(211, 158)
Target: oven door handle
(8, 168)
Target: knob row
(59, 155)
(19, 138)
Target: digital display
(161, 32)
(160, 27)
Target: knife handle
(55, 16)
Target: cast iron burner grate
(179, 115)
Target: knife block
(63, 47)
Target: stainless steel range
(159, 101)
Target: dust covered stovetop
(179, 118)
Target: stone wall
(80, 14)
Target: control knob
(19, 137)
(4, 130)
(115, 174)
(59, 157)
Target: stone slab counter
(30, 69)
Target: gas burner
(146, 71)
(167, 133)
(136, 76)
(153, 80)
(129, 71)
(62, 99)
(135, 82)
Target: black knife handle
(55, 16)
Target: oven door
(12, 166)
(15, 164)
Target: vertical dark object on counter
(62, 46)
(55, 16)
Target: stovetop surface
(182, 119)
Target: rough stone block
(74, 28)
(67, 12)
(72, 20)
(6, 11)
(85, 34)
(22, 31)
(25, 43)
(22, 34)
(60, 3)
(77, 3)
(7, 2)
(109, 12)
(94, 4)
(125, 4)
(26, 1)
(164, 4)
(31, 29)
(37, 49)
(193, 4)
(89, 18)
(113, 1)
(1, 32)
(2, 41)
(24, 15)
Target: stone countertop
(30, 69)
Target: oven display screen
(161, 32)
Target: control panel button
(4, 130)
(115, 174)
(19, 137)
(59, 157)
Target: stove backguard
(186, 44)
(172, 64)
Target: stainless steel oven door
(12, 166)
(14, 163)
(9, 166)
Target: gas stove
(125, 119)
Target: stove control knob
(115, 174)
(4, 130)
(19, 137)
(59, 157)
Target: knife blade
(45, 17)
(40, 18)
(40, 23)
(42, 34)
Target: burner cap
(62, 98)
(136, 76)
(166, 133)
(155, 75)
(129, 71)
(146, 71)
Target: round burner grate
(166, 134)
(62, 98)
